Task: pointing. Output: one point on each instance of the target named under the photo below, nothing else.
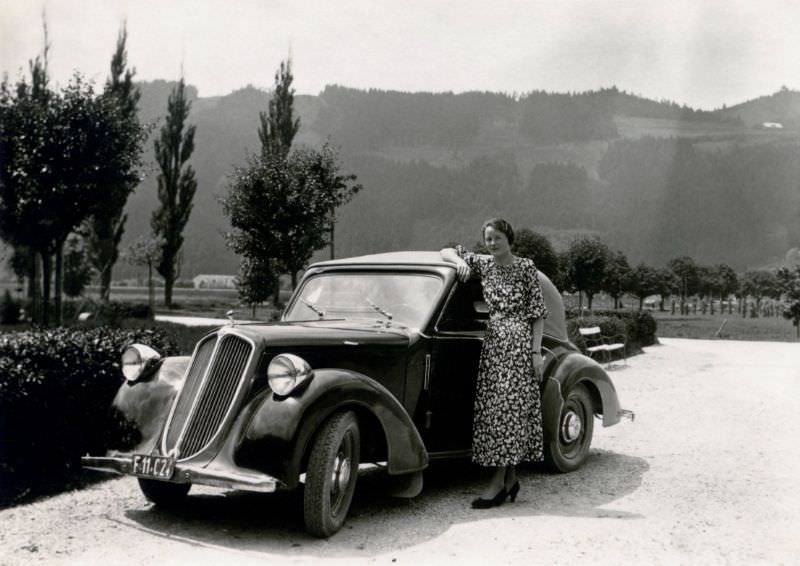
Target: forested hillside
(654, 179)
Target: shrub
(56, 387)
(113, 313)
(638, 326)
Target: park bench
(600, 345)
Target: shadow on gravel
(377, 523)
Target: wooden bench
(597, 344)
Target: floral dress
(507, 427)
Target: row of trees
(70, 158)
(588, 266)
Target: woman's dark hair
(501, 226)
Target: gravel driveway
(707, 474)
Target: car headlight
(138, 360)
(286, 372)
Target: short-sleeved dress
(507, 427)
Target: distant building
(214, 282)
(772, 126)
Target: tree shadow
(273, 523)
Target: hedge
(56, 388)
(638, 326)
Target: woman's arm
(538, 359)
(451, 255)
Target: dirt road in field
(707, 474)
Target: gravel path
(707, 474)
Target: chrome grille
(208, 393)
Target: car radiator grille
(209, 391)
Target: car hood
(324, 333)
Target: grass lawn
(728, 327)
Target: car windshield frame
(379, 295)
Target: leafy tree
(60, 152)
(727, 280)
(761, 283)
(644, 281)
(256, 281)
(301, 191)
(669, 284)
(616, 276)
(146, 251)
(106, 226)
(176, 186)
(584, 267)
(537, 247)
(685, 269)
(789, 282)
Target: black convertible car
(373, 361)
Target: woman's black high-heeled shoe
(512, 493)
(498, 499)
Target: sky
(703, 53)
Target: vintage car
(373, 361)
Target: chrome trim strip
(427, 383)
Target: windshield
(406, 298)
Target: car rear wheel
(568, 446)
(163, 493)
(331, 475)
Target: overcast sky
(703, 53)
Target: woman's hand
(538, 365)
(463, 270)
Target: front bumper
(249, 480)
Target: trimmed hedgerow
(638, 326)
(56, 387)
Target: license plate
(158, 467)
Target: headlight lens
(286, 372)
(136, 358)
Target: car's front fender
(280, 431)
(147, 403)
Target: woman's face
(496, 242)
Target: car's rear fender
(278, 435)
(573, 369)
(146, 403)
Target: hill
(655, 179)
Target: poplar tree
(278, 125)
(176, 186)
(105, 229)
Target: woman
(507, 427)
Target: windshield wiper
(384, 312)
(313, 307)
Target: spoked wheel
(331, 475)
(568, 447)
(163, 493)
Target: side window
(463, 312)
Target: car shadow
(273, 523)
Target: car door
(455, 353)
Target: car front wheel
(331, 475)
(163, 493)
(568, 446)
